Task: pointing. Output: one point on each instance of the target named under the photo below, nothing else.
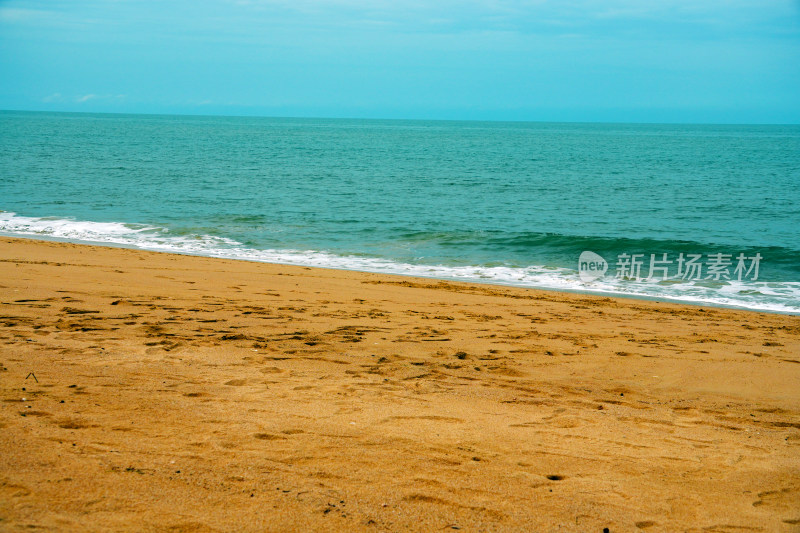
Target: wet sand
(150, 392)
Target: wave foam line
(762, 296)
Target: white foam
(138, 235)
(764, 296)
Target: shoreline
(597, 293)
(136, 384)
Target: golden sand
(144, 391)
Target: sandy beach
(155, 392)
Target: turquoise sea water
(511, 203)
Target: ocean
(705, 214)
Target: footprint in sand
(11, 490)
(268, 436)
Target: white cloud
(91, 96)
(11, 14)
(490, 13)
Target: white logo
(591, 266)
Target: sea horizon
(190, 114)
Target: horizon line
(378, 118)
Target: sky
(691, 61)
